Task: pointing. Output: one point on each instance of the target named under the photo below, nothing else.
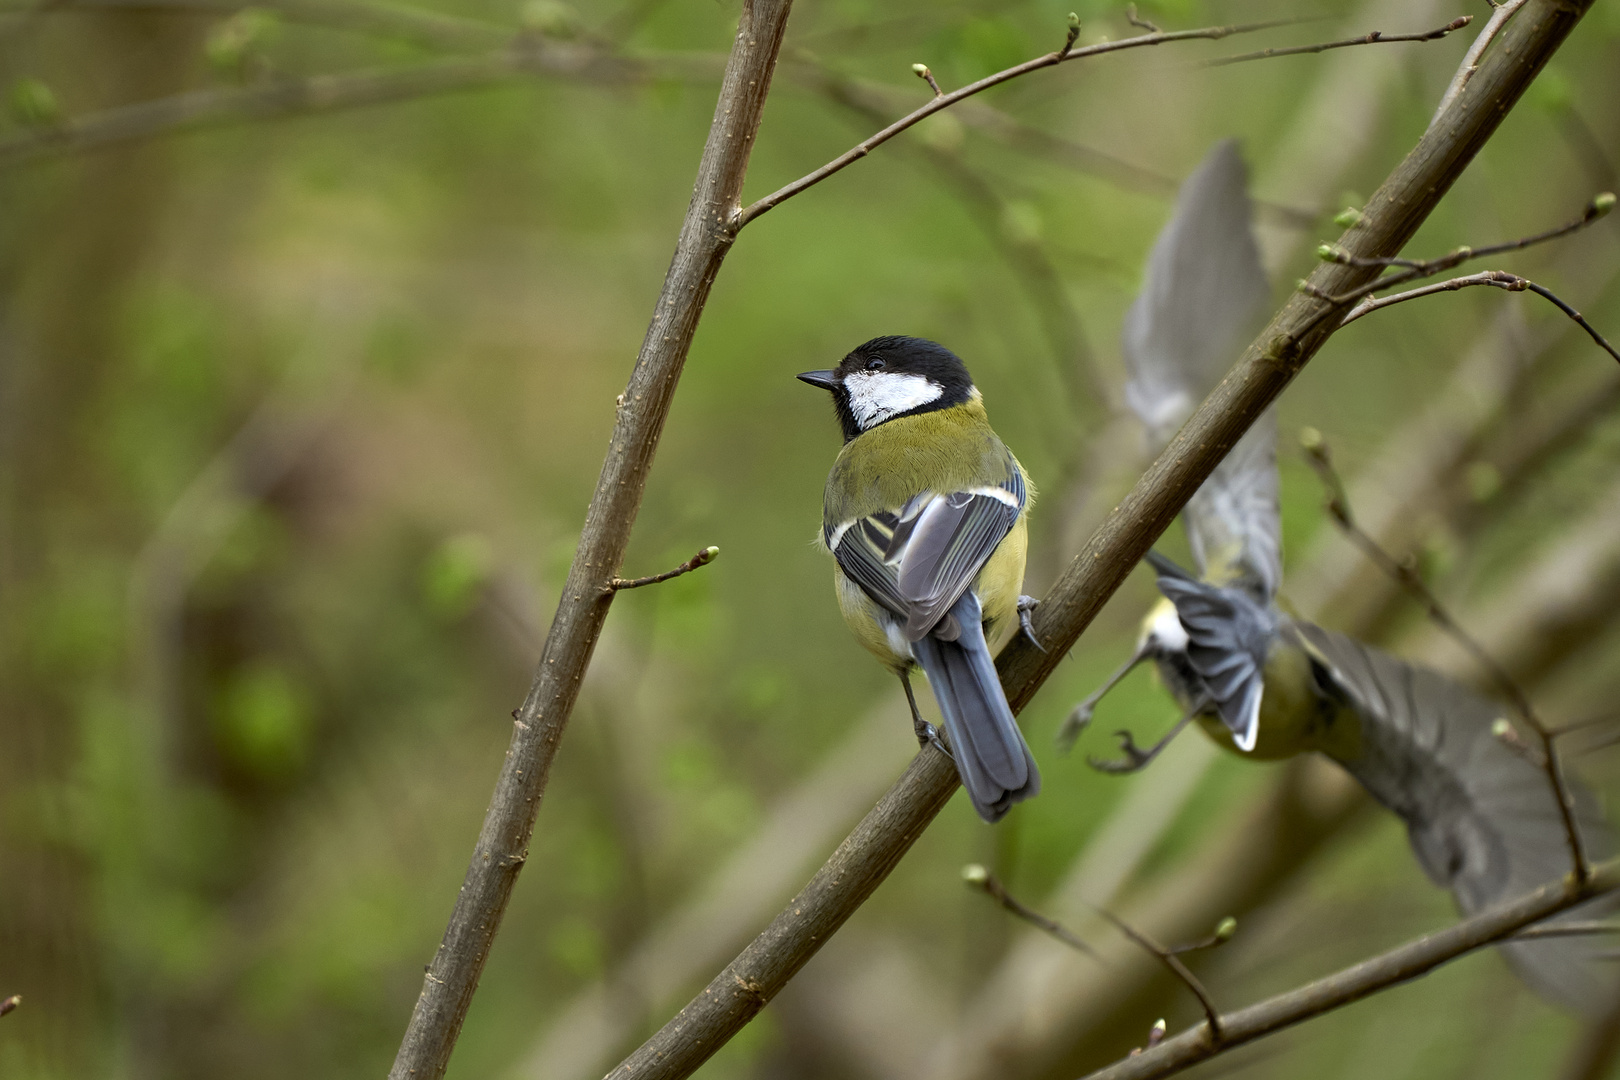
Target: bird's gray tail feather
(992, 758)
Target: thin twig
(1568, 929)
(945, 101)
(1401, 964)
(1374, 38)
(1320, 457)
(1173, 964)
(702, 558)
(10, 1004)
(1470, 61)
(1499, 279)
(1137, 21)
(1059, 319)
(1271, 361)
(419, 25)
(322, 93)
(980, 878)
(1414, 269)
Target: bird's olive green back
(950, 449)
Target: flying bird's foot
(1136, 759)
(1027, 604)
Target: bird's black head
(890, 377)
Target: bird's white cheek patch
(1166, 630)
(874, 396)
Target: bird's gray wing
(1202, 296)
(1228, 636)
(1482, 818)
(861, 548)
(1203, 292)
(918, 562)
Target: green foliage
(33, 103)
(263, 721)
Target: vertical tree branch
(503, 842)
(1294, 335)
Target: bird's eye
(874, 365)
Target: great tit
(1482, 819)
(924, 514)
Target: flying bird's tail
(992, 758)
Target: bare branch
(1415, 269)
(978, 877)
(432, 28)
(503, 841)
(1374, 38)
(1499, 279)
(1470, 63)
(702, 558)
(1282, 349)
(1137, 21)
(945, 101)
(1027, 256)
(1398, 965)
(1320, 457)
(322, 93)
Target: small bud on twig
(1348, 218)
(10, 1003)
(1310, 439)
(1603, 203)
(975, 875)
(1074, 32)
(1225, 929)
(922, 72)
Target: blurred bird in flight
(1482, 818)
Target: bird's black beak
(827, 380)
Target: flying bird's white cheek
(875, 396)
(1166, 631)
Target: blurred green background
(299, 418)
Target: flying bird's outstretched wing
(1203, 294)
(1482, 818)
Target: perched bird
(925, 516)
(1481, 816)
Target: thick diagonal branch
(1293, 336)
(503, 842)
